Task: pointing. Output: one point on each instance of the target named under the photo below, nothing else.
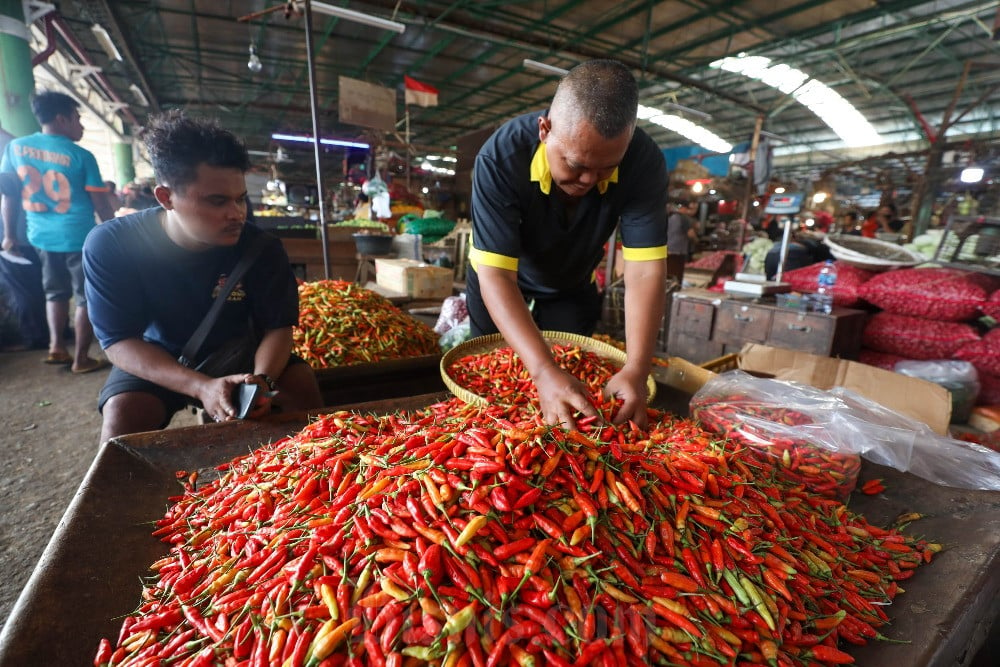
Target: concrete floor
(49, 429)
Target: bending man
(549, 188)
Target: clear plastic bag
(453, 312)
(792, 422)
(456, 335)
(844, 424)
(958, 377)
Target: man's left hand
(631, 388)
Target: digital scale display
(784, 204)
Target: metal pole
(314, 106)
(409, 167)
(754, 142)
(785, 236)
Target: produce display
(362, 223)
(756, 250)
(932, 293)
(984, 354)
(927, 244)
(846, 293)
(711, 261)
(992, 306)
(989, 389)
(459, 535)
(500, 375)
(916, 338)
(433, 228)
(614, 342)
(342, 323)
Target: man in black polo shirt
(549, 188)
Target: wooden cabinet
(737, 323)
(705, 325)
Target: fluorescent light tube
(542, 67)
(687, 110)
(139, 95)
(357, 17)
(329, 142)
(104, 39)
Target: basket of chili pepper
(486, 370)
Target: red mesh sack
(846, 293)
(934, 294)
(880, 359)
(984, 354)
(992, 305)
(989, 389)
(915, 338)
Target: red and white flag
(421, 94)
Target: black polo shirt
(519, 223)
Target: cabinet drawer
(694, 349)
(802, 331)
(694, 318)
(738, 323)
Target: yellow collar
(541, 174)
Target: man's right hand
(8, 244)
(216, 396)
(560, 396)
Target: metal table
(88, 576)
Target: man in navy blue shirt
(549, 188)
(153, 275)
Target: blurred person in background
(681, 237)
(61, 190)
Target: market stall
(87, 578)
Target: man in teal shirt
(61, 189)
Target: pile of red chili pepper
(478, 536)
(342, 323)
(500, 375)
(821, 470)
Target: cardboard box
(918, 399)
(414, 279)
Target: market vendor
(153, 275)
(549, 189)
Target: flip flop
(58, 358)
(98, 365)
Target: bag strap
(191, 348)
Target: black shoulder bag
(236, 355)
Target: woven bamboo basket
(486, 344)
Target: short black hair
(602, 92)
(48, 104)
(177, 144)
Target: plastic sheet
(844, 424)
(958, 377)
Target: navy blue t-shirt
(520, 223)
(142, 284)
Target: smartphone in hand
(245, 396)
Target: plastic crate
(613, 313)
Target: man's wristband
(271, 386)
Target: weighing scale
(752, 284)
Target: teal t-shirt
(57, 177)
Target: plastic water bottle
(826, 281)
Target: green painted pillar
(17, 82)
(124, 167)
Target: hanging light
(254, 64)
(972, 174)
